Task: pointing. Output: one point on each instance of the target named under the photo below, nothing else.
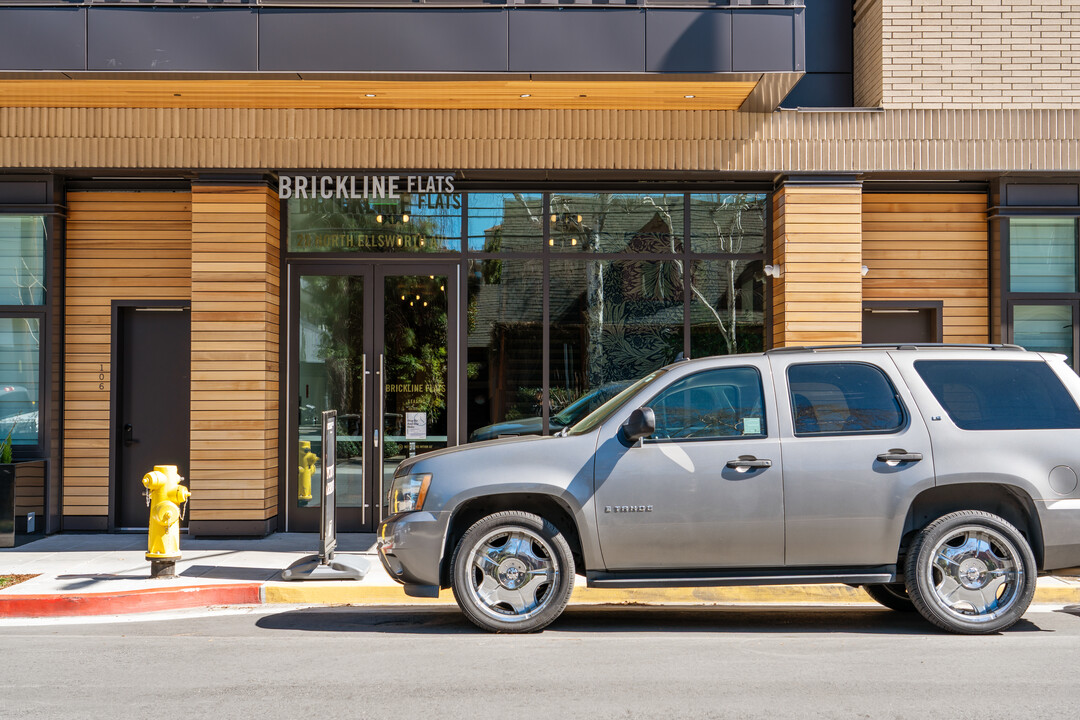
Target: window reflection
(505, 222)
(728, 223)
(611, 222)
(416, 223)
(612, 321)
(727, 310)
(505, 355)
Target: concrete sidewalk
(106, 574)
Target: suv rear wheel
(512, 572)
(971, 572)
(893, 596)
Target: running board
(719, 578)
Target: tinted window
(710, 405)
(1000, 395)
(838, 398)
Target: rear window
(1000, 394)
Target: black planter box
(22, 492)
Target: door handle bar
(745, 462)
(896, 456)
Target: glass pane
(727, 307)
(418, 223)
(22, 259)
(506, 222)
(19, 343)
(1042, 254)
(331, 357)
(842, 398)
(1044, 328)
(1000, 394)
(728, 222)
(612, 321)
(606, 222)
(506, 348)
(711, 405)
(415, 356)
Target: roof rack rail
(894, 346)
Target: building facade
(454, 221)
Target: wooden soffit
(353, 94)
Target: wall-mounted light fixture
(774, 271)
(864, 270)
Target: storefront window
(19, 363)
(22, 259)
(1042, 255)
(612, 321)
(728, 223)
(506, 348)
(616, 223)
(1044, 328)
(417, 223)
(727, 307)
(505, 222)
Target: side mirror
(640, 424)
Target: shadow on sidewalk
(606, 619)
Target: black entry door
(153, 403)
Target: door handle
(897, 455)
(745, 462)
(129, 433)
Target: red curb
(132, 601)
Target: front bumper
(411, 545)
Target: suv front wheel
(971, 572)
(512, 572)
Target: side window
(842, 398)
(711, 405)
(1000, 394)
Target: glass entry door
(374, 343)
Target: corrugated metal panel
(895, 140)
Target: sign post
(324, 566)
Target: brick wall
(968, 53)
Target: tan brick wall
(974, 54)
(868, 48)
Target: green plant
(5, 447)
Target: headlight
(407, 492)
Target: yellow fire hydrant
(307, 469)
(164, 496)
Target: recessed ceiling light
(526, 95)
(369, 94)
(689, 97)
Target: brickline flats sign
(363, 187)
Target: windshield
(602, 413)
(586, 404)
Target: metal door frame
(375, 271)
(115, 383)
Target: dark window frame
(763, 435)
(905, 415)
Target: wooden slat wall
(120, 245)
(930, 246)
(817, 240)
(234, 353)
(30, 489)
(904, 141)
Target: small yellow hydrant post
(164, 496)
(307, 469)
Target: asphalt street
(611, 662)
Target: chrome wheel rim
(511, 574)
(975, 574)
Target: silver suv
(941, 479)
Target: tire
(512, 572)
(971, 572)
(893, 596)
